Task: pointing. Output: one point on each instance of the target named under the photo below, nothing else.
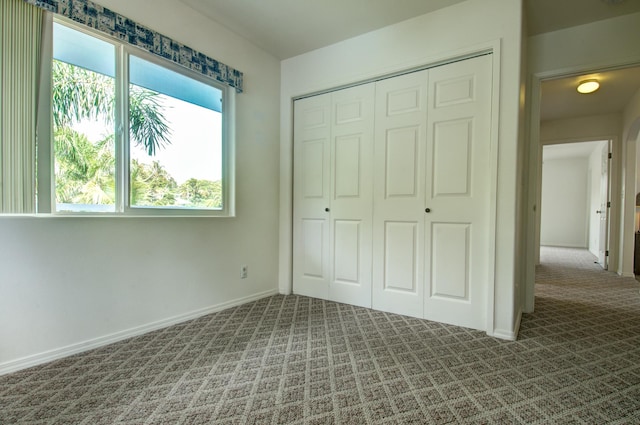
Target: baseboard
(58, 353)
(568, 245)
(509, 335)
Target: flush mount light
(588, 86)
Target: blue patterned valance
(124, 29)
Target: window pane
(83, 123)
(175, 140)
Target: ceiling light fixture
(588, 86)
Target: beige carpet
(291, 359)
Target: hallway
(573, 275)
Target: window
(133, 134)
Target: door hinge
(606, 253)
(608, 204)
(610, 155)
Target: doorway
(560, 115)
(575, 197)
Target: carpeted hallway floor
(291, 359)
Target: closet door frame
(493, 47)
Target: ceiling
(551, 15)
(560, 99)
(286, 28)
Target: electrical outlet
(244, 272)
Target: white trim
(44, 163)
(493, 184)
(506, 334)
(58, 353)
(566, 245)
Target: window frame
(46, 194)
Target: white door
(399, 176)
(311, 182)
(604, 209)
(351, 195)
(458, 193)
(333, 148)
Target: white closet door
(351, 195)
(398, 238)
(311, 196)
(458, 193)
(333, 150)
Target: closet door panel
(351, 195)
(401, 171)
(311, 196)
(458, 192)
(348, 173)
(312, 155)
(450, 260)
(400, 257)
(452, 149)
(346, 252)
(398, 222)
(313, 235)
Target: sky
(195, 149)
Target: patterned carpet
(292, 359)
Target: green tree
(151, 185)
(201, 193)
(85, 171)
(81, 94)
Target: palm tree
(85, 171)
(146, 123)
(81, 94)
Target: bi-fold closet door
(333, 152)
(414, 238)
(431, 213)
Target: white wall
(600, 43)
(66, 283)
(446, 33)
(593, 127)
(564, 202)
